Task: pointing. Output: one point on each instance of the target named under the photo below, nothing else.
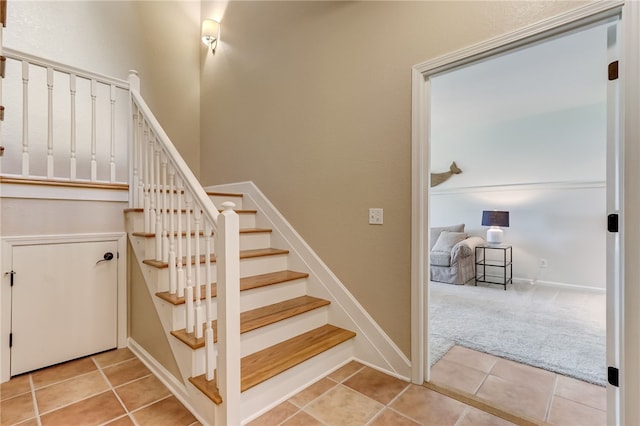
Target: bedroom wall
(546, 165)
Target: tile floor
(115, 388)
(112, 388)
(521, 389)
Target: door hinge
(613, 71)
(11, 274)
(10, 340)
(613, 376)
(612, 222)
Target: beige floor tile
(376, 385)
(582, 392)
(475, 417)
(124, 372)
(457, 376)
(142, 392)
(520, 373)
(470, 358)
(122, 421)
(91, 411)
(392, 418)
(569, 413)
(428, 407)
(113, 357)
(276, 415)
(167, 412)
(302, 419)
(69, 391)
(14, 387)
(522, 398)
(343, 406)
(60, 372)
(346, 371)
(307, 395)
(17, 409)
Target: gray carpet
(559, 330)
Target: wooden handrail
(3, 12)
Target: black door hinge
(10, 340)
(613, 71)
(613, 376)
(11, 274)
(612, 222)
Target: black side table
(494, 270)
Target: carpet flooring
(555, 329)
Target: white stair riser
(248, 241)
(270, 335)
(219, 199)
(266, 395)
(249, 299)
(248, 267)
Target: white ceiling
(557, 74)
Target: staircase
(283, 328)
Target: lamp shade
(210, 31)
(495, 218)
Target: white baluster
(180, 276)
(150, 175)
(73, 160)
(94, 164)
(189, 296)
(50, 123)
(112, 158)
(210, 358)
(140, 150)
(173, 279)
(199, 311)
(25, 118)
(165, 210)
(158, 198)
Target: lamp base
(494, 236)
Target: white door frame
(629, 213)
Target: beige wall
(312, 102)
(159, 39)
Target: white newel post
(228, 259)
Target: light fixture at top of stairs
(211, 33)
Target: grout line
(552, 395)
(35, 400)
(113, 390)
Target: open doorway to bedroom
(524, 132)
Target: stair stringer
(194, 400)
(372, 345)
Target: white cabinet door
(64, 304)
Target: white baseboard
(566, 286)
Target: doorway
(421, 114)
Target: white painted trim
(6, 260)
(45, 192)
(569, 21)
(553, 284)
(178, 389)
(366, 327)
(529, 186)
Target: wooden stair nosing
(246, 283)
(193, 233)
(244, 254)
(257, 318)
(267, 363)
(140, 210)
(209, 388)
(224, 194)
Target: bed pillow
(447, 240)
(435, 232)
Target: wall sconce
(210, 33)
(495, 219)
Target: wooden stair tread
(244, 254)
(267, 363)
(257, 318)
(141, 210)
(184, 233)
(246, 283)
(209, 388)
(225, 194)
